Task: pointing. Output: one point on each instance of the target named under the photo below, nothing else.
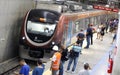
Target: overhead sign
(105, 8)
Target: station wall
(11, 18)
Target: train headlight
(23, 38)
(53, 43)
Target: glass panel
(87, 21)
(40, 28)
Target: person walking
(107, 26)
(64, 57)
(74, 55)
(98, 32)
(114, 36)
(24, 68)
(86, 70)
(88, 36)
(80, 37)
(39, 69)
(55, 60)
(102, 32)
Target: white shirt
(84, 72)
(54, 58)
(98, 30)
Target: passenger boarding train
(55, 23)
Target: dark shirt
(25, 70)
(38, 71)
(81, 35)
(89, 32)
(64, 55)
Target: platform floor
(96, 56)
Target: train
(55, 23)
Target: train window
(98, 20)
(77, 26)
(40, 28)
(82, 24)
(95, 21)
(92, 20)
(87, 21)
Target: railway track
(11, 71)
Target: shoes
(73, 72)
(80, 52)
(85, 47)
(68, 71)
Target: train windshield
(41, 24)
(40, 28)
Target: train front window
(41, 24)
(46, 29)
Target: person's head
(39, 62)
(55, 48)
(86, 66)
(22, 62)
(62, 47)
(90, 25)
(81, 30)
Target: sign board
(105, 8)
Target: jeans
(88, 41)
(75, 59)
(61, 70)
(91, 40)
(54, 72)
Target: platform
(96, 56)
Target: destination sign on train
(105, 8)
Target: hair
(62, 47)
(39, 62)
(86, 66)
(22, 60)
(81, 29)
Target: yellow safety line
(48, 72)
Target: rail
(8, 72)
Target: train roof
(62, 6)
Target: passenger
(73, 57)
(86, 70)
(98, 33)
(114, 37)
(88, 36)
(107, 25)
(102, 32)
(91, 25)
(80, 37)
(39, 69)
(24, 68)
(55, 60)
(64, 57)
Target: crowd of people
(62, 54)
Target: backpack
(65, 55)
(75, 51)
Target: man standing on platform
(55, 60)
(88, 35)
(80, 37)
(73, 57)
